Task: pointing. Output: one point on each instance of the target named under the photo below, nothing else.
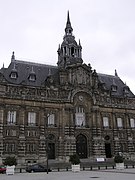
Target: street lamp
(47, 155)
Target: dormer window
(13, 75)
(32, 77)
(114, 88)
(126, 90)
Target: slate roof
(24, 69)
(110, 80)
(42, 72)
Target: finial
(79, 42)
(116, 73)
(3, 66)
(13, 56)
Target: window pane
(11, 118)
(80, 119)
(31, 118)
(119, 122)
(132, 123)
(105, 122)
(51, 119)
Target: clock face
(81, 98)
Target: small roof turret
(13, 56)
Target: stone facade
(63, 109)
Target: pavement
(109, 174)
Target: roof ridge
(107, 75)
(34, 63)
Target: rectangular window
(28, 133)
(105, 122)
(13, 132)
(10, 147)
(80, 119)
(132, 123)
(32, 118)
(30, 147)
(119, 123)
(11, 118)
(8, 132)
(51, 119)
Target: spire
(68, 19)
(70, 51)
(68, 29)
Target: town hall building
(64, 109)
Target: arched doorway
(81, 146)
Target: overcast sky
(106, 28)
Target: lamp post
(47, 155)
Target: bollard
(83, 168)
(58, 169)
(20, 170)
(67, 168)
(91, 168)
(106, 167)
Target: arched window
(80, 116)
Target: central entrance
(81, 146)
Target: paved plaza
(126, 174)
